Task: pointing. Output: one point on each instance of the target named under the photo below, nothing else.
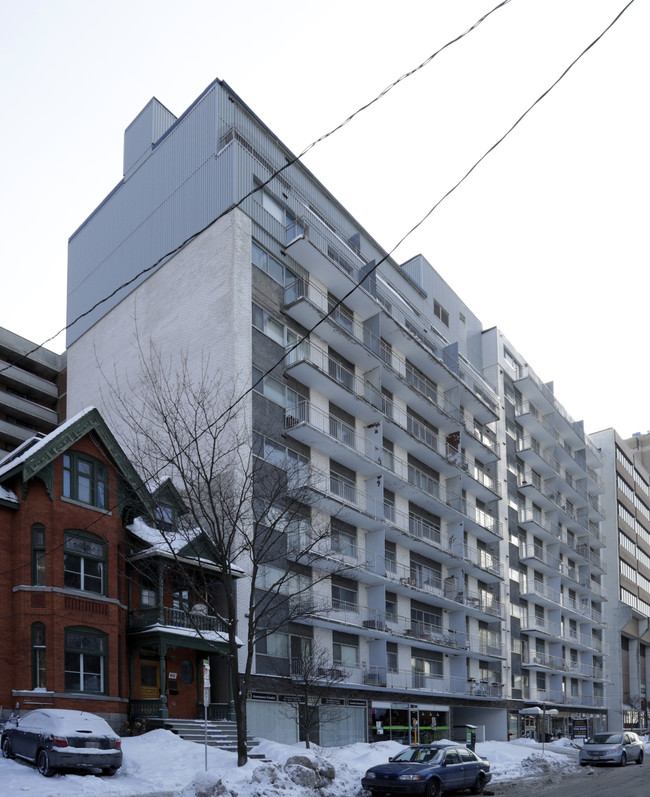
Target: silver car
(618, 747)
(62, 739)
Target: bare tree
(255, 508)
(639, 711)
(311, 703)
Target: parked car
(429, 769)
(62, 739)
(612, 748)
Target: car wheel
(638, 761)
(7, 752)
(434, 788)
(479, 784)
(109, 771)
(623, 759)
(583, 763)
(43, 764)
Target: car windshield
(605, 738)
(419, 755)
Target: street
(631, 781)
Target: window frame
(39, 564)
(85, 673)
(98, 479)
(85, 556)
(269, 264)
(39, 656)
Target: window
(269, 325)
(440, 312)
(341, 425)
(277, 454)
(269, 265)
(84, 560)
(38, 555)
(276, 645)
(345, 649)
(344, 538)
(390, 556)
(85, 480)
(148, 596)
(340, 369)
(342, 482)
(340, 314)
(85, 660)
(181, 600)
(275, 390)
(426, 666)
(344, 594)
(282, 215)
(165, 517)
(391, 608)
(39, 669)
(391, 656)
(425, 619)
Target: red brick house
(98, 613)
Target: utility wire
(497, 143)
(371, 270)
(289, 162)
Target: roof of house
(36, 453)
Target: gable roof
(38, 452)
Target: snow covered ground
(160, 764)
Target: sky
(161, 764)
(546, 239)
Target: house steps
(220, 733)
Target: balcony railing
(174, 618)
(339, 487)
(412, 680)
(562, 698)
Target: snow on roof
(170, 542)
(8, 495)
(209, 636)
(10, 462)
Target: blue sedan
(429, 770)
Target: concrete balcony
(538, 558)
(478, 438)
(557, 698)
(543, 397)
(28, 411)
(541, 593)
(26, 382)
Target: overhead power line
(290, 162)
(357, 285)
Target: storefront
(337, 721)
(408, 723)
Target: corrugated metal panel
(177, 191)
(179, 188)
(148, 126)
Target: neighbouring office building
(627, 508)
(461, 493)
(32, 390)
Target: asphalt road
(629, 781)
